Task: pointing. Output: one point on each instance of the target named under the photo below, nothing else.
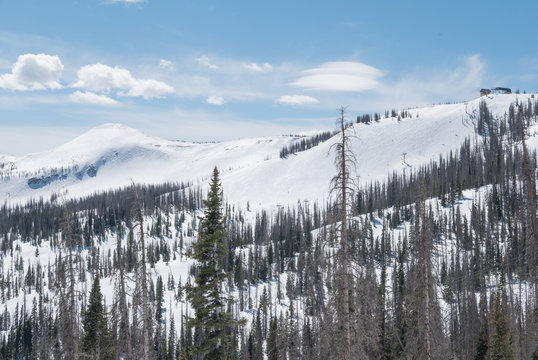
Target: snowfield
(114, 155)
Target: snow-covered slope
(113, 155)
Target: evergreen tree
(96, 341)
(214, 323)
(272, 343)
(482, 343)
(160, 334)
(501, 338)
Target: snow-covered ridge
(113, 155)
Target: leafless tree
(532, 241)
(68, 312)
(146, 312)
(124, 328)
(342, 186)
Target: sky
(216, 70)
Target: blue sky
(215, 70)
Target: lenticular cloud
(340, 76)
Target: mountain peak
(111, 130)
(107, 135)
(90, 147)
(112, 126)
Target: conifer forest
(434, 261)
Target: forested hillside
(428, 250)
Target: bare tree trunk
(532, 243)
(344, 242)
(146, 314)
(341, 184)
(73, 300)
(69, 310)
(125, 330)
(426, 258)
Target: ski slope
(114, 155)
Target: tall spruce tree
(214, 324)
(501, 337)
(96, 341)
(272, 342)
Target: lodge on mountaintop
(497, 90)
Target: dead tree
(124, 328)
(532, 240)
(532, 243)
(425, 258)
(146, 312)
(342, 187)
(425, 331)
(68, 311)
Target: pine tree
(214, 323)
(160, 334)
(171, 341)
(96, 341)
(272, 343)
(501, 338)
(482, 343)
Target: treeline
(368, 118)
(41, 219)
(305, 144)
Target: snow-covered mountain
(114, 155)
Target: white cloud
(340, 76)
(148, 89)
(166, 64)
(104, 78)
(204, 60)
(33, 72)
(265, 67)
(215, 100)
(91, 98)
(296, 100)
(100, 77)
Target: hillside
(458, 209)
(114, 155)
